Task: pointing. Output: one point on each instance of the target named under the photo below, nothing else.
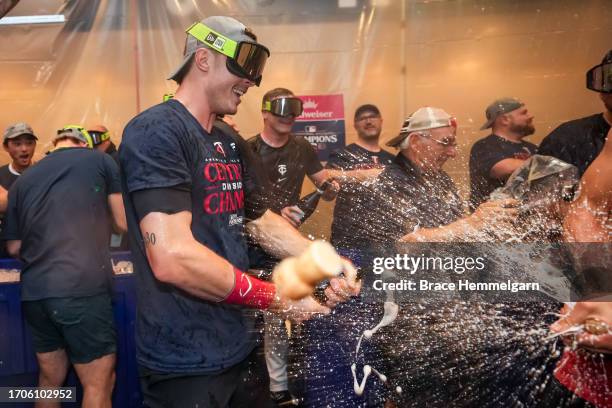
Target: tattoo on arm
(149, 238)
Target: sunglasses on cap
(599, 78)
(70, 131)
(244, 59)
(284, 106)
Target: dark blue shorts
(83, 326)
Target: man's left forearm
(276, 235)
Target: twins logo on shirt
(524, 155)
(219, 148)
(282, 169)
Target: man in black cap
(187, 196)
(579, 141)
(364, 154)
(494, 158)
(59, 219)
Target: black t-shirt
(352, 157)
(577, 142)
(254, 176)
(165, 147)
(59, 210)
(286, 167)
(7, 177)
(402, 200)
(485, 154)
(112, 151)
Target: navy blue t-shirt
(345, 223)
(165, 146)
(485, 154)
(578, 141)
(59, 210)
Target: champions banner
(322, 123)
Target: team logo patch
(524, 155)
(219, 148)
(282, 169)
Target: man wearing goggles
(286, 158)
(100, 136)
(188, 200)
(245, 57)
(588, 220)
(579, 141)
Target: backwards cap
(226, 26)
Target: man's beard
(523, 130)
(370, 136)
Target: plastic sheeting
(110, 59)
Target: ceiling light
(42, 19)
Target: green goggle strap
(224, 45)
(83, 131)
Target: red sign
(321, 107)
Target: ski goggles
(76, 132)
(284, 106)
(98, 137)
(599, 78)
(244, 59)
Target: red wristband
(250, 291)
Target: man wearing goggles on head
(101, 138)
(579, 141)
(582, 376)
(187, 196)
(287, 158)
